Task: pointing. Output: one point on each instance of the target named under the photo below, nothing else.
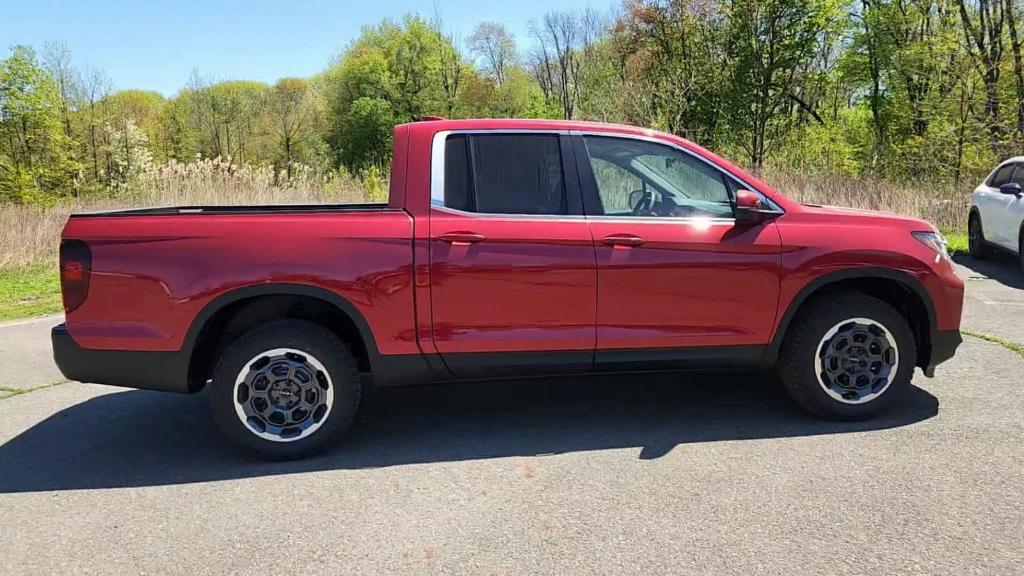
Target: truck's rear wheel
(285, 389)
(847, 356)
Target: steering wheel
(641, 201)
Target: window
(1002, 176)
(504, 174)
(638, 178)
(1018, 175)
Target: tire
(976, 243)
(293, 379)
(853, 318)
(1020, 249)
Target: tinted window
(662, 181)
(1018, 176)
(458, 191)
(504, 174)
(1002, 176)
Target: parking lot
(712, 474)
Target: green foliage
(894, 89)
(35, 155)
(364, 141)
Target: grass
(956, 243)
(12, 392)
(1008, 344)
(29, 291)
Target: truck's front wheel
(847, 356)
(285, 389)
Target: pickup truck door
(679, 283)
(512, 272)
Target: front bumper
(944, 345)
(165, 371)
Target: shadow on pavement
(1002, 267)
(140, 438)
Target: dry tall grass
(29, 235)
(944, 205)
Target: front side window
(1002, 176)
(639, 178)
(504, 174)
(1018, 175)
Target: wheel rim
(283, 395)
(856, 361)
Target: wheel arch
(899, 289)
(242, 308)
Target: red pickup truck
(508, 248)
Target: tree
(129, 155)
(983, 30)
(35, 152)
(770, 42)
(292, 112)
(495, 46)
(366, 135)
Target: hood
(865, 215)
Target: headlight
(935, 241)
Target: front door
(512, 273)
(678, 282)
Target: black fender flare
(202, 319)
(822, 282)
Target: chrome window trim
(496, 215)
(437, 167)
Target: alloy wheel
(283, 395)
(856, 360)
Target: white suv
(997, 211)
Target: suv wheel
(285, 389)
(1020, 249)
(847, 356)
(976, 243)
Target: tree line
(924, 90)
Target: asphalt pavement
(714, 474)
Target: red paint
(432, 281)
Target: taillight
(75, 268)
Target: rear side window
(1002, 176)
(504, 174)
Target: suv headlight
(935, 241)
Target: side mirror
(750, 209)
(1011, 188)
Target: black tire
(313, 340)
(976, 243)
(1020, 249)
(798, 354)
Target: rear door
(678, 282)
(512, 272)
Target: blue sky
(155, 45)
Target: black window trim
(570, 176)
(592, 199)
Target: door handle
(627, 240)
(461, 238)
